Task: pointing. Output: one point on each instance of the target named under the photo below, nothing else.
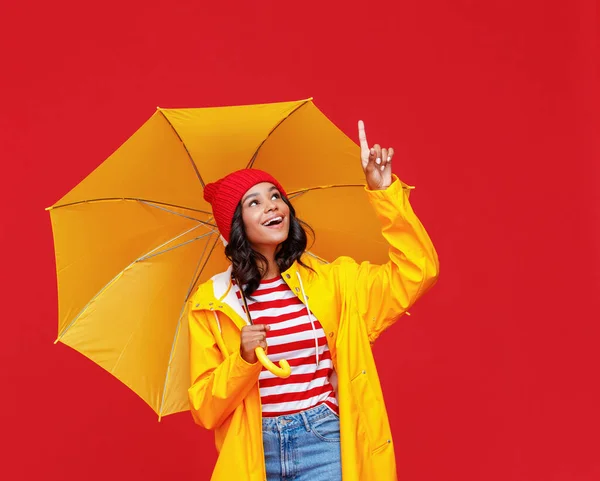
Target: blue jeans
(303, 446)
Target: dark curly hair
(245, 260)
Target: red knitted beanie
(225, 194)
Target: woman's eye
(252, 203)
(275, 196)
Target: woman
(327, 420)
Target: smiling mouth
(273, 222)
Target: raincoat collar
(219, 295)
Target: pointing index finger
(362, 136)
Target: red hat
(225, 194)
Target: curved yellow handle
(283, 370)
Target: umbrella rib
(316, 257)
(177, 213)
(134, 199)
(151, 253)
(177, 246)
(178, 328)
(253, 159)
(186, 149)
(205, 262)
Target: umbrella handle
(283, 370)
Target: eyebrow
(256, 194)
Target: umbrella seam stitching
(176, 337)
(119, 274)
(185, 147)
(253, 159)
(134, 199)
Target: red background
(491, 107)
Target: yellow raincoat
(354, 303)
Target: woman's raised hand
(376, 162)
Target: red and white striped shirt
(291, 337)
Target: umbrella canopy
(135, 238)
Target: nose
(270, 205)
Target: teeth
(271, 221)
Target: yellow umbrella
(135, 238)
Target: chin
(277, 240)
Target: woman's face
(266, 216)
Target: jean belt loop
(305, 419)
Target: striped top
(291, 337)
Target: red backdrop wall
(491, 107)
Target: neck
(271, 270)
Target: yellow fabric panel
(339, 232)
(178, 376)
(216, 262)
(224, 139)
(94, 242)
(308, 150)
(130, 327)
(151, 164)
(178, 381)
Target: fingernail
(389, 158)
(378, 160)
(382, 167)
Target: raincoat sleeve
(384, 292)
(219, 383)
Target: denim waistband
(293, 421)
